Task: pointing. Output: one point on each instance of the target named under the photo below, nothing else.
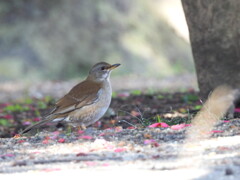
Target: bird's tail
(39, 124)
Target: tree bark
(214, 28)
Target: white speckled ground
(121, 154)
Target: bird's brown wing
(84, 93)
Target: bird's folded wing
(78, 97)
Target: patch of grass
(136, 92)
(37, 113)
(28, 101)
(197, 107)
(114, 94)
(48, 99)
(41, 105)
(158, 119)
(189, 98)
(16, 108)
(160, 96)
(4, 122)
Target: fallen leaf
(45, 141)
(226, 121)
(36, 119)
(61, 140)
(80, 132)
(131, 127)
(102, 134)
(162, 124)
(27, 123)
(149, 141)
(155, 144)
(85, 137)
(152, 142)
(47, 138)
(120, 150)
(216, 131)
(21, 141)
(7, 155)
(179, 126)
(8, 116)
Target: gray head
(101, 71)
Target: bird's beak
(113, 66)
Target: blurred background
(51, 45)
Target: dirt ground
(141, 134)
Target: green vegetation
(4, 122)
(16, 108)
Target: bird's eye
(102, 68)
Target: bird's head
(101, 71)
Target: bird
(86, 102)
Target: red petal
(85, 137)
(159, 125)
(9, 155)
(61, 140)
(149, 141)
(80, 132)
(21, 141)
(120, 150)
(36, 119)
(226, 121)
(45, 141)
(179, 126)
(131, 127)
(8, 116)
(216, 131)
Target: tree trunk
(214, 28)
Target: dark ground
(127, 110)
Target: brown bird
(86, 102)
